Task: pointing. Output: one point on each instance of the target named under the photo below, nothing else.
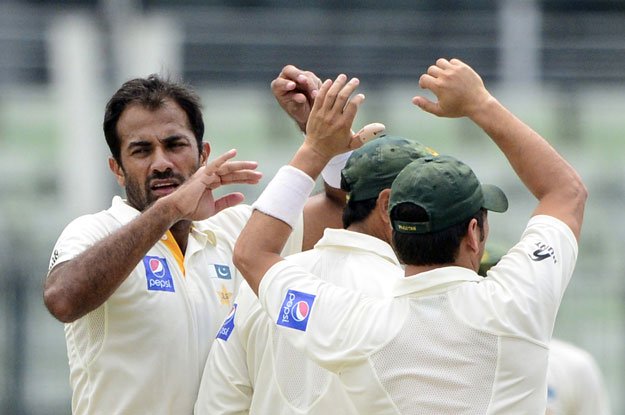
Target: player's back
(284, 380)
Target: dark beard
(141, 197)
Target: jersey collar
(434, 281)
(344, 239)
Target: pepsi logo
(156, 266)
(300, 311)
(296, 310)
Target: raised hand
(328, 131)
(459, 89)
(295, 91)
(194, 199)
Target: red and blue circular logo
(300, 311)
(157, 268)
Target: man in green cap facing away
(252, 367)
(448, 341)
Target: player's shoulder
(100, 223)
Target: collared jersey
(448, 341)
(575, 383)
(143, 350)
(251, 367)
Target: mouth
(162, 188)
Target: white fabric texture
(144, 349)
(285, 195)
(458, 337)
(331, 173)
(576, 386)
(256, 369)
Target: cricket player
(251, 367)
(143, 286)
(449, 341)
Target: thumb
(228, 200)
(369, 132)
(427, 105)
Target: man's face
(158, 152)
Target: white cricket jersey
(251, 367)
(143, 350)
(575, 383)
(449, 342)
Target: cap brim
(494, 198)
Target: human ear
(117, 171)
(204, 152)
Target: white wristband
(331, 173)
(285, 195)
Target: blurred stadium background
(558, 64)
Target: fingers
(427, 105)
(229, 200)
(304, 85)
(309, 83)
(241, 177)
(351, 108)
(321, 96)
(333, 91)
(230, 172)
(214, 165)
(232, 166)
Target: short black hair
(151, 92)
(357, 211)
(433, 248)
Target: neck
(369, 227)
(180, 231)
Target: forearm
(80, 285)
(259, 246)
(546, 174)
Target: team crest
(157, 274)
(295, 310)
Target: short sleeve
(80, 234)
(331, 324)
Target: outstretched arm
(329, 133)
(461, 92)
(79, 285)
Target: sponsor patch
(157, 274)
(543, 251)
(223, 272)
(295, 310)
(226, 329)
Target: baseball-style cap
(373, 167)
(447, 189)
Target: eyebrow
(166, 140)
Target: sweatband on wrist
(331, 173)
(285, 195)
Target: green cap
(447, 189)
(373, 167)
(491, 256)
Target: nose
(161, 161)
